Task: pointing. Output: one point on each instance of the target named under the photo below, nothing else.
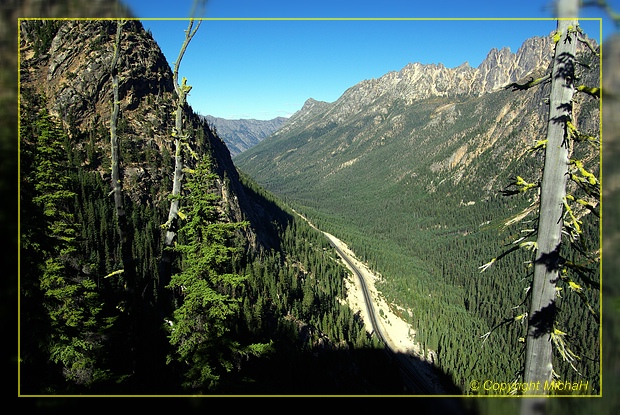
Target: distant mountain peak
(310, 103)
(416, 81)
(241, 134)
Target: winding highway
(412, 378)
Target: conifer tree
(208, 287)
(50, 241)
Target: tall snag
(133, 309)
(564, 259)
(539, 353)
(180, 139)
(124, 230)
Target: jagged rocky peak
(499, 68)
(73, 68)
(417, 81)
(502, 67)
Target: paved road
(410, 374)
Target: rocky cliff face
(239, 135)
(418, 81)
(65, 67)
(73, 72)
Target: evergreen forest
(233, 307)
(249, 298)
(237, 321)
(430, 225)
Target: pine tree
(208, 288)
(50, 241)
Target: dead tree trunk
(180, 139)
(133, 311)
(124, 230)
(538, 358)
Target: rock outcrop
(65, 68)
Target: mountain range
(422, 121)
(411, 171)
(241, 134)
(408, 169)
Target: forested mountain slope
(411, 170)
(248, 298)
(239, 135)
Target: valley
(414, 181)
(241, 134)
(200, 277)
(379, 319)
(397, 334)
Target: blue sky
(267, 68)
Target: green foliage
(427, 252)
(389, 191)
(250, 300)
(75, 325)
(207, 285)
(293, 299)
(44, 32)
